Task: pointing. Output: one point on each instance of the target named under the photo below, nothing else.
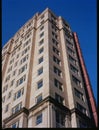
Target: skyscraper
(44, 78)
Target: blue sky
(80, 14)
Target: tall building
(44, 79)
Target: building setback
(44, 78)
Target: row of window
(18, 94)
(60, 121)
(39, 119)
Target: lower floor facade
(47, 114)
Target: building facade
(44, 79)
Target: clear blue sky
(80, 14)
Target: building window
(40, 71)
(79, 94)
(56, 60)
(42, 34)
(69, 43)
(60, 119)
(40, 60)
(41, 50)
(81, 108)
(54, 28)
(5, 88)
(22, 69)
(72, 60)
(13, 53)
(41, 28)
(39, 98)
(7, 78)
(19, 94)
(74, 69)
(55, 42)
(7, 108)
(27, 36)
(57, 71)
(76, 81)
(71, 51)
(12, 82)
(14, 72)
(39, 119)
(82, 124)
(11, 61)
(16, 63)
(15, 125)
(41, 42)
(56, 51)
(40, 84)
(27, 42)
(21, 80)
(58, 84)
(16, 108)
(54, 35)
(24, 59)
(53, 17)
(9, 94)
(3, 99)
(25, 50)
(58, 98)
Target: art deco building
(44, 78)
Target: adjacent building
(44, 79)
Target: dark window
(81, 108)
(40, 84)
(12, 82)
(39, 98)
(41, 50)
(71, 51)
(56, 51)
(3, 99)
(15, 125)
(69, 43)
(39, 119)
(56, 60)
(74, 69)
(72, 60)
(82, 124)
(21, 80)
(40, 60)
(55, 42)
(7, 108)
(40, 71)
(57, 71)
(17, 108)
(41, 42)
(18, 94)
(78, 94)
(22, 69)
(58, 98)
(76, 81)
(9, 94)
(41, 28)
(42, 34)
(60, 119)
(58, 84)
